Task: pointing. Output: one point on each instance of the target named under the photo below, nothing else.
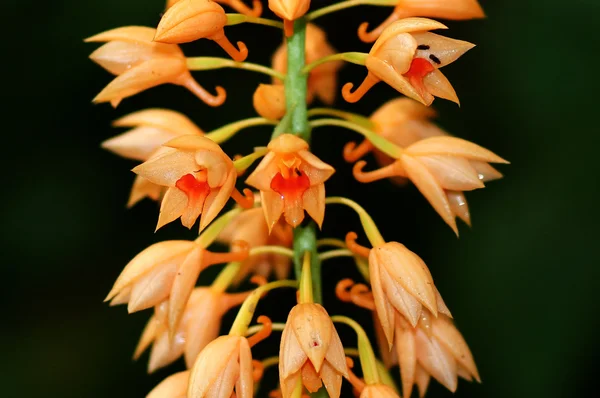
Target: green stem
(352, 57)
(349, 116)
(296, 81)
(224, 133)
(306, 288)
(378, 141)
(347, 4)
(245, 162)
(236, 19)
(366, 220)
(368, 361)
(284, 251)
(209, 63)
(335, 253)
(226, 276)
(305, 240)
(385, 376)
(246, 312)
(257, 328)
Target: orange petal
(389, 75)
(444, 9)
(165, 351)
(185, 280)
(190, 20)
(314, 203)
(139, 143)
(148, 74)
(143, 188)
(385, 311)
(152, 288)
(438, 85)
(407, 357)
(172, 207)
(436, 360)
(406, 25)
(291, 354)
(459, 206)
(211, 364)
(272, 205)
(153, 256)
(332, 380)
(449, 336)
(452, 173)
(165, 119)
(244, 387)
(430, 188)
(167, 169)
(444, 49)
(422, 381)
(148, 336)
(216, 200)
(485, 171)
(455, 147)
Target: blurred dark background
(522, 283)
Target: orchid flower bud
(269, 101)
(191, 20)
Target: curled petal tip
(364, 87)
(205, 96)
(364, 36)
(257, 8)
(237, 54)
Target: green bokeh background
(522, 283)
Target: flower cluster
(275, 220)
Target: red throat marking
(195, 190)
(290, 188)
(419, 68)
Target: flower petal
(313, 330)
(407, 357)
(459, 206)
(451, 172)
(185, 280)
(165, 351)
(148, 74)
(384, 309)
(430, 188)
(272, 204)
(449, 336)
(455, 147)
(174, 386)
(159, 254)
(167, 169)
(314, 203)
(444, 49)
(332, 380)
(438, 362)
(164, 119)
(211, 363)
(139, 143)
(291, 354)
(152, 288)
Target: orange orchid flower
(166, 271)
(434, 348)
(442, 168)
(141, 63)
(311, 350)
(442, 9)
(408, 58)
(190, 20)
(150, 129)
(291, 180)
(322, 80)
(200, 324)
(269, 101)
(200, 178)
(223, 366)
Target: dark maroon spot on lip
(435, 59)
(423, 47)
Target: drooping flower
(250, 226)
(199, 325)
(166, 271)
(441, 168)
(223, 366)
(434, 348)
(200, 178)
(408, 57)
(442, 9)
(174, 386)
(311, 350)
(291, 180)
(237, 5)
(150, 129)
(190, 20)
(289, 10)
(269, 101)
(322, 80)
(140, 63)
(402, 286)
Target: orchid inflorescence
(193, 178)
